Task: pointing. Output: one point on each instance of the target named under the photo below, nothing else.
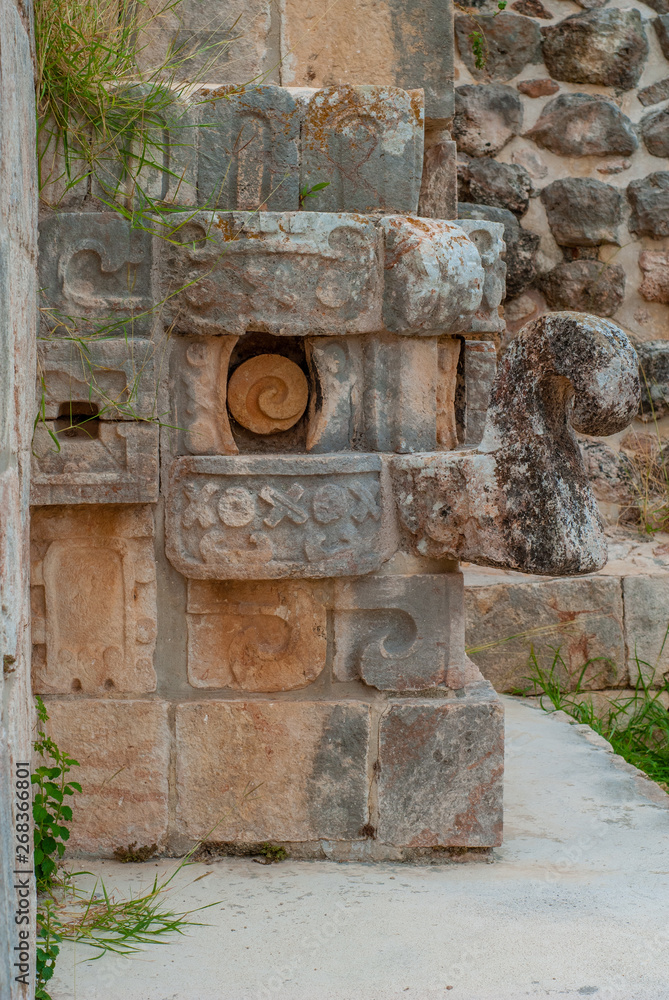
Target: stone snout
(521, 500)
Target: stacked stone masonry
(245, 581)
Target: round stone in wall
(268, 394)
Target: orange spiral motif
(268, 394)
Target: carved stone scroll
(522, 499)
(262, 518)
(487, 237)
(254, 636)
(268, 393)
(201, 368)
(400, 633)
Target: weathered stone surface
(199, 375)
(487, 237)
(583, 212)
(608, 471)
(335, 411)
(488, 182)
(655, 93)
(96, 462)
(448, 358)
(93, 595)
(522, 499)
(400, 633)
(404, 44)
(117, 377)
(268, 393)
(307, 759)
(366, 144)
(646, 603)
(654, 266)
(399, 400)
(654, 130)
(521, 245)
(438, 191)
(262, 518)
(248, 148)
(440, 775)
(434, 278)
(654, 371)
(532, 8)
(123, 748)
(486, 118)
(584, 125)
(94, 274)
(512, 41)
(541, 87)
(480, 367)
(584, 618)
(649, 199)
(585, 285)
(255, 636)
(661, 25)
(606, 47)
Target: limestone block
(649, 200)
(366, 143)
(335, 410)
(655, 93)
(661, 25)
(255, 636)
(94, 462)
(654, 373)
(581, 618)
(512, 41)
(487, 238)
(488, 182)
(400, 633)
(654, 266)
(261, 518)
(521, 500)
(400, 391)
(486, 118)
(655, 132)
(199, 374)
(93, 596)
(521, 245)
(584, 125)
(117, 377)
(606, 47)
(646, 623)
(583, 212)
(248, 148)
(401, 44)
(440, 771)
(301, 273)
(434, 277)
(540, 87)
(123, 748)
(307, 760)
(587, 285)
(94, 274)
(448, 358)
(438, 190)
(480, 368)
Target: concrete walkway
(576, 904)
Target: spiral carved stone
(268, 394)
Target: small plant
(477, 38)
(273, 853)
(311, 192)
(133, 853)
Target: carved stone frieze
(487, 237)
(268, 393)
(262, 518)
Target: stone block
(661, 25)
(123, 748)
(584, 125)
(299, 274)
(480, 367)
(434, 277)
(438, 190)
(512, 41)
(440, 771)
(539, 87)
(607, 47)
(448, 358)
(654, 266)
(94, 462)
(654, 130)
(649, 200)
(117, 377)
(199, 376)
(646, 624)
(248, 149)
(94, 274)
(400, 633)
(521, 245)
(488, 182)
(366, 144)
(255, 636)
(486, 118)
(653, 358)
(588, 286)
(261, 518)
(487, 238)
(93, 595)
(581, 618)
(307, 762)
(399, 396)
(335, 410)
(402, 44)
(655, 93)
(583, 212)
